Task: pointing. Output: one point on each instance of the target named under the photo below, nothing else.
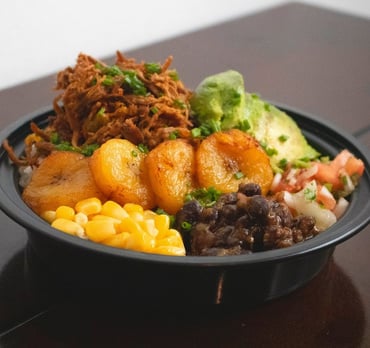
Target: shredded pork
(144, 103)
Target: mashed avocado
(220, 102)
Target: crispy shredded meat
(141, 102)
(98, 103)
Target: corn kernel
(148, 226)
(149, 214)
(65, 212)
(49, 216)
(162, 223)
(114, 210)
(170, 241)
(106, 218)
(141, 241)
(119, 240)
(169, 250)
(98, 230)
(67, 226)
(89, 206)
(129, 225)
(132, 207)
(137, 216)
(81, 219)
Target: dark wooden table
(302, 56)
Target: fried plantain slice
(63, 178)
(171, 171)
(118, 170)
(229, 158)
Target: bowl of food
(134, 182)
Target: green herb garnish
(206, 197)
(309, 194)
(133, 83)
(173, 135)
(177, 103)
(174, 75)
(283, 138)
(152, 68)
(239, 175)
(143, 148)
(185, 225)
(196, 132)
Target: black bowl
(137, 276)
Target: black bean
(250, 189)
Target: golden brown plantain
(118, 169)
(171, 170)
(226, 159)
(63, 178)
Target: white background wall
(40, 37)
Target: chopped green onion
(54, 138)
(88, 150)
(196, 132)
(143, 148)
(205, 197)
(174, 75)
(108, 81)
(179, 104)
(173, 135)
(238, 175)
(133, 83)
(244, 125)
(309, 194)
(269, 150)
(185, 225)
(283, 163)
(152, 68)
(283, 138)
(101, 111)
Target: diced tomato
(354, 166)
(325, 197)
(345, 163)
(328, 174)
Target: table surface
(306, 57)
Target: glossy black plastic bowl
(142, 277)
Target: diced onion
(341, 207)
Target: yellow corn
(128, 226)
(169, 250)
(81, 219)
(118, 241)
(132, 207)
(141, 241)
(148, 225)
(98, 230)
(107, 218)
(49, 216)
(162, 223)
(64, 212)
(113, 210)
(89, 206)
(67, 226)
